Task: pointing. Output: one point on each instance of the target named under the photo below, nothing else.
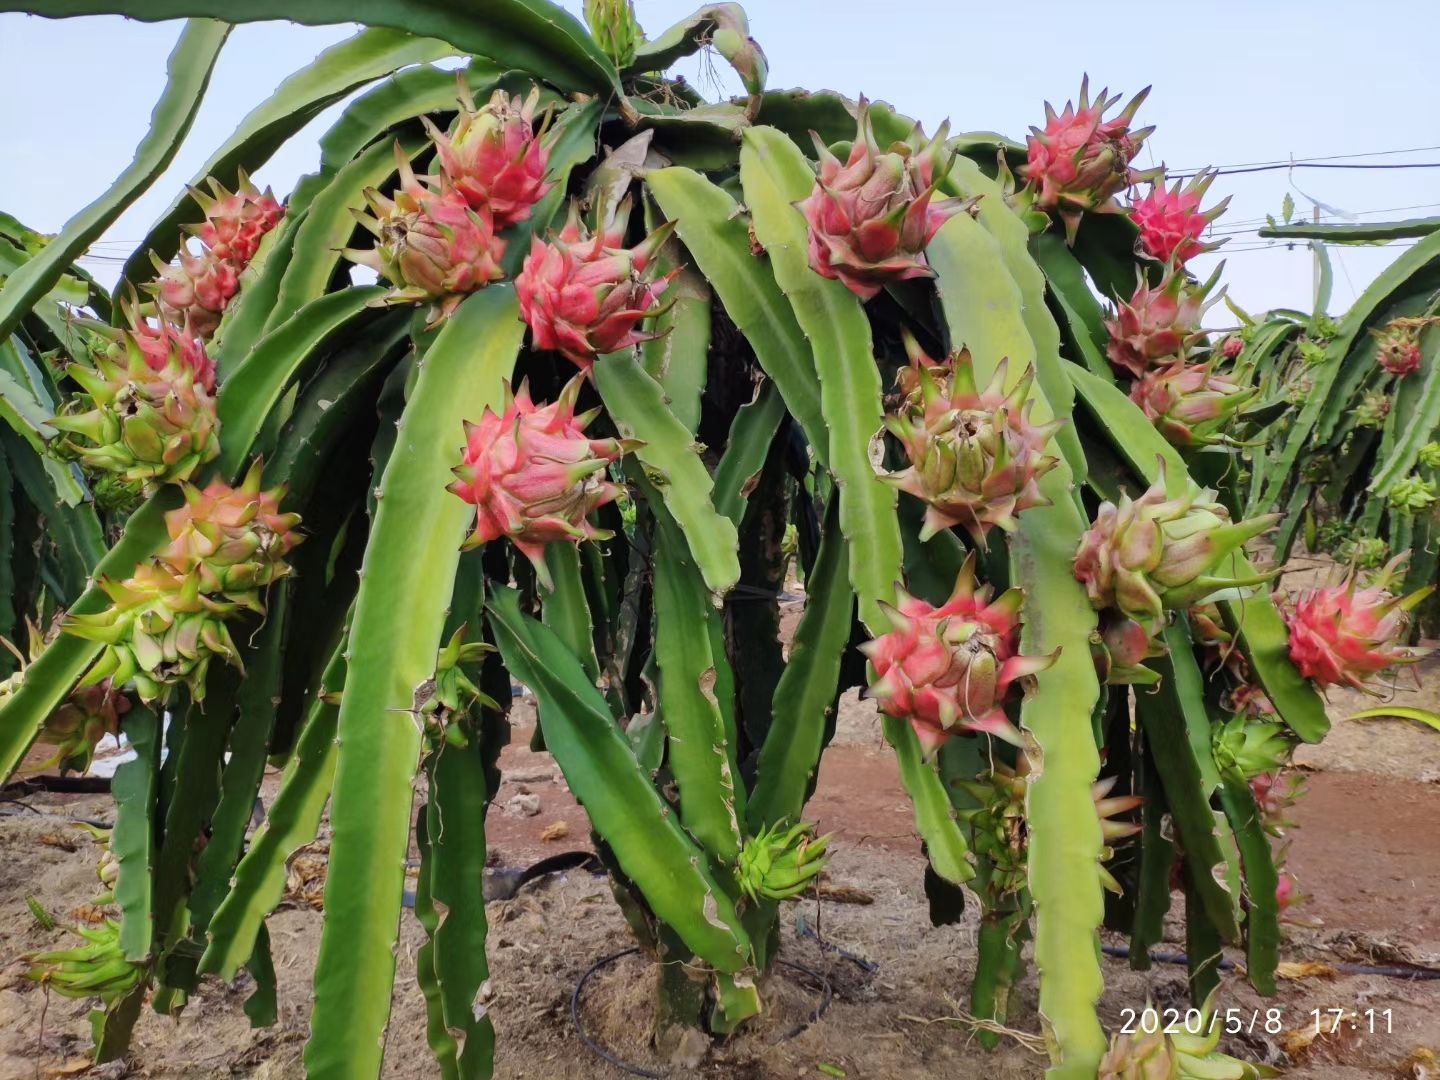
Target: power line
(1329, 157)
(1315, 165)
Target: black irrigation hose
(827, 995)
(1390, 971)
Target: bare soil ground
(1366, 854)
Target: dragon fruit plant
(1347, 460)
(561, 442)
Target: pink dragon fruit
(1160, 324)
(976, 457)
(1081, 161)
(533, 476)
(236, 221)
(1149, 554)
(235, 538)
(871, 217)
(1232, 347)
(1171, 221)
(1398, 347)
(433, 246)
(1122, 649)
(494, 158)
(197, 290)
(952, 668)
(173, 339)
(1187, 403)
(1343, 634)
(583, 296)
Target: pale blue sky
(1234, 82)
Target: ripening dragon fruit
(1158, 326)
(494, 158)
(871, 216)
(432, 244)
(159, 630)
(1148, 554)
(143, 425)
(1398, 351)
(235, 221)
(583, 295)
(1081, 161)
(174, 337)
(1120, 648)
(532, 475)
(1000, 829)
(1342, 634)
(77, 726)
(1188, 402)
(1171, 221)
(197, 289)
(952, 668)
(1180, 1051)
(976, 457)
(234, 538)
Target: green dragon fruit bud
(1249, 749)
(1146, 555)
(615, 28)
(160, 629)
(1311, 353)
(976, 457)
(1374, 407)
(1188, 404)
(448, 707)
(1366, 552)
(1430, 455)
(1412, 494)
(141, 425)
(777, 865)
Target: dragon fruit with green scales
(976, 456)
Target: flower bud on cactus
(1187, 403)
(1171, 222)
(1429, 456)
(1412, 494)
(1249, 749)
(1081, 161)
(1373, 409)
(1155, 552)
(236, 222)
(1159, 325)
(1366, 552)
(197, 289)
(494, 158)
(952, 668)
(1121, 647)
(615, 29)
(583, 296)
(533, 476)
(1343, 634)
(976, 458)
(871, 217)
(1232, 347)
(1275, 794)
(235, 539)
(160, 629)
(433, 246)
(143, 425)
(775, 865)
